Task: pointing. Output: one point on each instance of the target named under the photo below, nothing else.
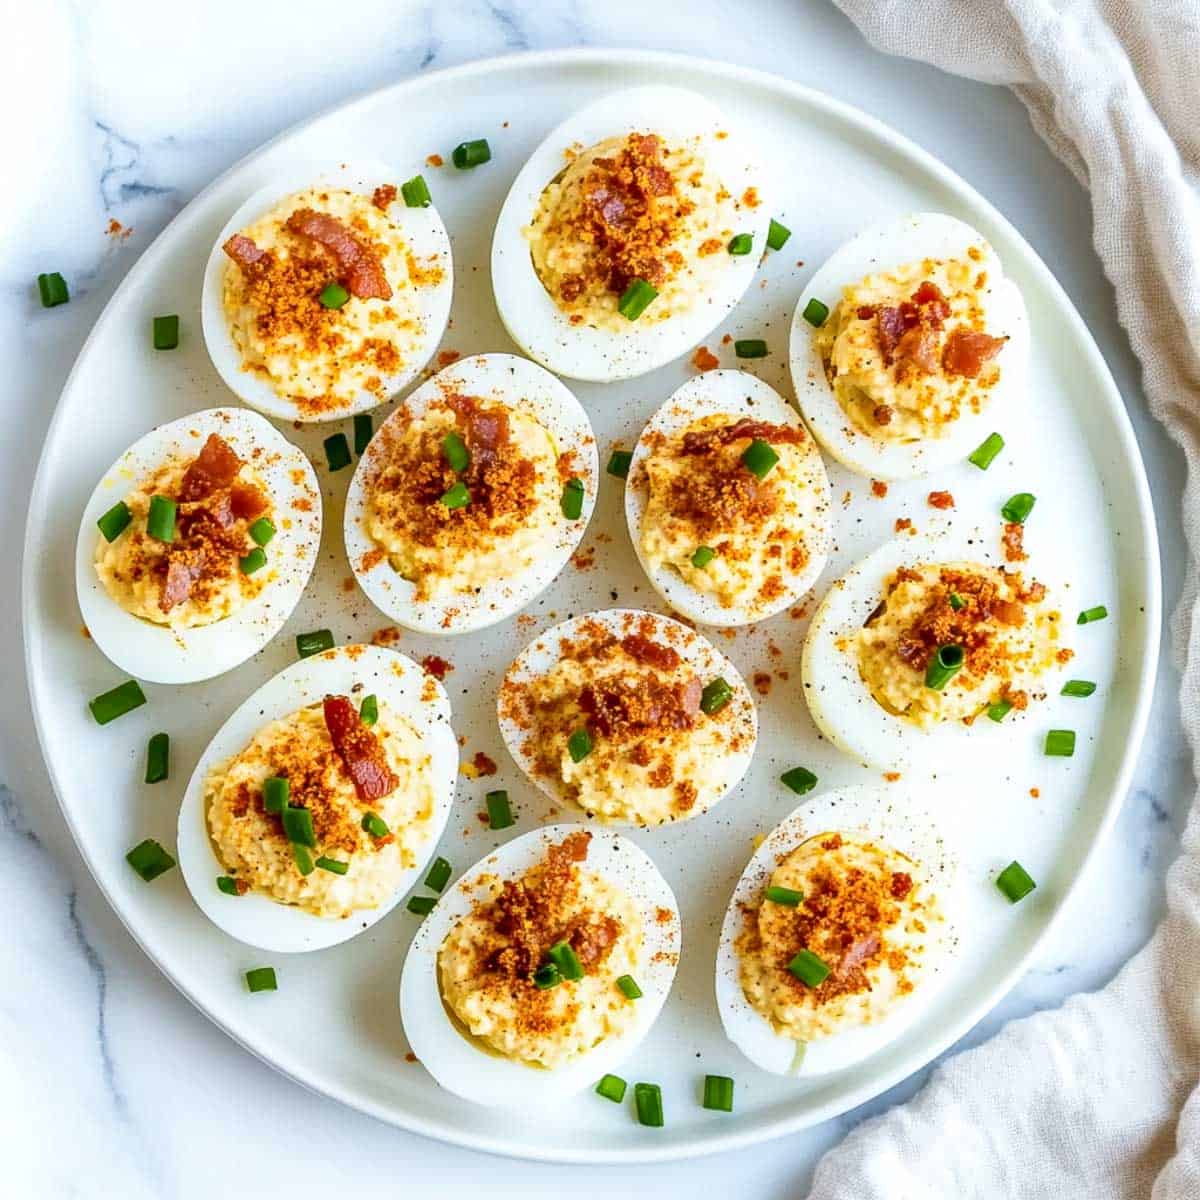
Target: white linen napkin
(1100, 1098)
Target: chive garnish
(261, 979)
(740, 244)
(546, 977)
(943, 666)
(1018, 508)
(563, 956)
(364, 430)
(1078, 687)
(809, 969)
(785, 896)
(116, 702)
(647, 1097)
(750, 348)
(276, 794)
(777, 235)
(368, 710)
(986, 451)
(815, 312)
(579, 745)
(228, 885)
(498, 809)
(717, 693)
(254, 561)
(618, 464)
(261, 532)
(149, 859)
(337, 451)
(333, 295)
(303, 858)
(454, 451)
(160, 520)
(628, 987)
(572, 499)
(612, 1087)
(1092, 614)
(375, 825)
(957, 602)
(471, 154)
(333, 865)
(800, 780)
(702, 556)
(998, 711)
(308, 644)
(439, 875)
(1015, 882)
(759, 458)
(416, 192)
(457, 496)
(113, 523)
(52, 289)
(1060, 743)
(718, 1093)
(158, 754)
(636, 299)
(298, 825)
(166, 332)
(422, 906)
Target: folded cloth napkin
(1100, 1098)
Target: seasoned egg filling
(907, 352)
(201, 574)
(339, 771)
(630, 208)
(488, 962)
(451, 528)
(724, 530)
(324, 354)
(863, 912)
(1008, 633)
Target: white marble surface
(110, 1083)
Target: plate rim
(1150, 589)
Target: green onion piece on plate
(1015, 882)
(998, 711)
(308, 644)
(718, 1093)
(566, 960)
(261, 532)
(422, 906)
(333, 295)
(1092, 614)
(52, 289)
(375, 825)
(702, 556)
(166, 332)
(628, 987)
(160, 520)
(986, 451)
(647, 1098)
(303, 858)
(777, 235)
(546, 976)
(456, 496)
(816, 312)
(943, 666)
(498, 809)
(759, 458)
(298, 825)
(1018, 508)
(254, 561)
(364, 430)
(471, 154)
(333, 865)
(1078, 687)
(579, 745)
(158, 754)
(717, 693)
(809, 969)
(337, 451)
(750, 348)
(416, 192)
(439, 875)
(612, 1087)
(454, 451)
(116, 702)
(228, 885)
(785, 897)
(262, 979)
(800, 779)
(618, 464)
(572, 499)
(636, 299)
(957, 602)
(740, 244)
(1060, 743)
(149, 859)
(113, 523)
(368, 710)
(276, 794)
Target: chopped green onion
(816, 312)
(718, 1093)
(262, 531)
(1015, 882)
(957, 602)
(800, 780)
(304, 859)
(228, 885)
(439, 875)
(1078, 687)
(1060, 743)
(998, 711)
(158, 754)
(785, 896)
(566, 960)
(261, 979)
(1092, 614)
(53, 289)
(628, 987)
(471, 154)
(612, 1087)
(759, 458)
(421, 905)
(254, 561)
(113, 523)
(333, 295)
(546, 977)
(809, 969)
(166, 332)
(572, 499)
(943, 666)
(618, 464)
(777, 235)
(160, 520)
(750, 348)
(499, 810)
(986, 451)
(702, 556)
(648, 1099)
(333, 865)
(740, 244)
(337, 451)
(416, 192)
(636, 299)
(457, 496)
(375, 825)
(368, 710)
(1018, 508)
(276, 794)
(579, 745)
(308, 644)
(717, 693)
(298, 825)
(116, 702)
(364, 430)
(149, 859)
(454, 451)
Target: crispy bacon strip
(703, 440)
(183, 569)
(361, 270)
(966, 351)
(242, 250)
(359, 749)
(647, 651)
(216, 466)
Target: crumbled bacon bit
(384, 196)
(439, 668)
(762, 683)
(941, 500)
(879, 489)
(882, 414)
(903, 523)
(360, 750)
(446, 357)
(1013, 541)
(434, 160)
(358, 265)
(483, 764)
(705, 360)
(242, 250)
(967, 351)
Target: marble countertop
(110, 1082)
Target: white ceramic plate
(1081, 459)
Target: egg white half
(162, 655)
(400, 685)
(736, 394)
(532, 318)
(423, 232)
(885, 248)
(466, 1068)
(519, 385)
(916, 823)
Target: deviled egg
(631, 717)
(320, 800)
(727, 501)
(840, 931)
(630, 233)
(196, 546)
(928, 649)
(324, 297)
(472, 496)
(542, 968)
(909, 346)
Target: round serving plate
(333, 1025)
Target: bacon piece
(891, 324)
(918, 346)
(242, 250)
(384, 196)
(690, 696)
(593, 939)
(184, 567)
(359, 749)
(966, 351)
(882, 414)
(1009, 612)
(858, 953)
(246, 502)
(647, 651)
(361, 270)
(902, 883)
(703, 440)
(216, 466)
(941, 500)
(927, 293)
(865, 312)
